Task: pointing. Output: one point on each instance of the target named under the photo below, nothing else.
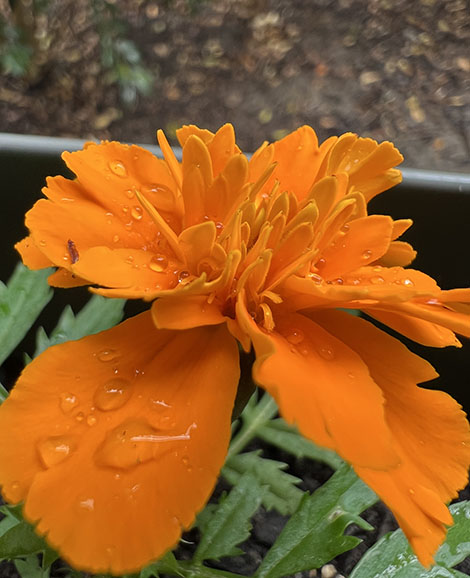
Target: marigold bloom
(128, 429)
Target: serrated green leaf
(21, 301)
(166, 565)
(97, 315)
(392, 556)
(30, 568)
(314, 535)
(288, 438)
(21, 540)
(230, 524)
(281, 491)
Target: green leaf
(166, 565)
(97, 315)
(314, 535)
(392, 556)
(21, 540)
(288, 438)
(281, 491)
(230, 524)
(3, 393)
(30, 568)
(21, 302)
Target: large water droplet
(295, 336)
(113, 394)
(55, 449)
(118, 168)
(158, 263)
(67, 402)
(106, 355)
(135, 441)
(183, 275)
(327, 353)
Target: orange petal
(323, 387)
(31, 254)
(399, 254)
(185, 312)
(431, 434)
(65, 279)
(359, 241)
(123, 445)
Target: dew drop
(113, 394)
(321, 262)
(338, 281)
(351, 375)
(315, 278)
(327, 353)
(129, 193)
(80, 416)
(295, 336)
(158, 263)
(87, 504)
(118, 168)
(377, 280)
(137, 212)
(411, 491)
(345, 228)
(183, 275)
(42, 243)
(219, 226)
(67, 402)
(91, 420)
(55, 449)
(125, 209)
(106, 355)
(407, 282)
(160, 196)
(367, 254)
(129, 259)
(116, 238)
(134, 442)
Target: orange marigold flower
(128, 429)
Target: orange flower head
(128, 429)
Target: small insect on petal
(73, 252)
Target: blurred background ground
(390, 69)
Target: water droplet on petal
(351, 375)
(407, 282)
(118, 168)
(327, 353)
(67, 402)
(80, 416)
(87, 504)
(345, 228)
(55, 449)
(136, 441)
(183, 275)
(315, 278)
(106, 355)
(367, 255)
(137, 212)
(42, 243)
(338, 281)
(130, 259)
(158, 263)
(377, 280)
(320, 263)
(91, 420)
(129, 193)
(295, 336)
(116, 238)
(113, 394)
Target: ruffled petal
(434, 459)
(122, 445)
(323, 387)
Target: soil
(388, 69)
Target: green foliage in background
(315, 532)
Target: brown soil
(389, 69)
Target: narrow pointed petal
(123, 445)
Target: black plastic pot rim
(47, 146)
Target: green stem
(264, 411)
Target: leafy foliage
(97, 315)
(21, 301)
(392, 556)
